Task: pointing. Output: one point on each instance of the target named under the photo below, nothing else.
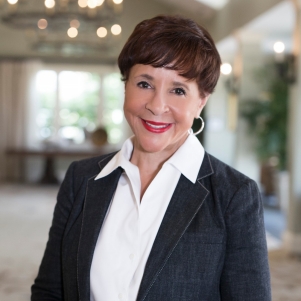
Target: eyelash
(146, 85)
(180, 91)
(143, 85)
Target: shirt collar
(187, 159)
(121, 159)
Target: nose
(157, 104)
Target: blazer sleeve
(48, 284)
(245, 274)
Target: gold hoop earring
(202, 127)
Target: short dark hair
(175, 43)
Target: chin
(159, 144)
(151, 145)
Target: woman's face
(160, 106)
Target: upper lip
(156, 123)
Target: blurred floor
(285, 276)
(25, 218)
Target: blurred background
(61, 100)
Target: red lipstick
(156, 127)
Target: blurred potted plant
(267, 117)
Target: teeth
(156, 126)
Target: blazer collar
(185, 203)
(206, 167)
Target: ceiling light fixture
(72, 32)
(116, 29)
(56, 21)
(42, 23)
(50, 3)
(226, 68)
(279, 47)
(102, 32)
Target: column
(252, 59)
(292, 235)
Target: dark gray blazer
(210, 246)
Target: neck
(149, 164)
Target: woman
(161, 219)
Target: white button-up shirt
(130, 226)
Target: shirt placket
(132, 257)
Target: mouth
(156, 127)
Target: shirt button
(132, 256)
(120, 296)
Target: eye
(179, 91)
(143, 85)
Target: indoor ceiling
(276, 24)
(15, 44)
(215, 4)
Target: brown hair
(174, 43)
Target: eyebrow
(175, 84)
(147, 76)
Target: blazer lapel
(99, 194)
(186, 201)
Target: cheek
(132, 101)
(129, 116)
(132, 110)
(185, 114)
(128, 112)
(129, 103)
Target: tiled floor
(25, 217)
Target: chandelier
(68, 27)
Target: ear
(202, 104)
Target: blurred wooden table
(51, 154)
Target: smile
(156, 127)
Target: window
(113, 113)
(72, 104)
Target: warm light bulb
(82, 3)
(75, 23)
(12, 1)
(226, 68)
(101, 32)
(42, 23)
(279, 47)
(92, 3)
(99, 2)
(117, 1)
(116, 29)
(49, 3)
(72, 32)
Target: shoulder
(91, 166)
(226, 181)
(223, 171)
